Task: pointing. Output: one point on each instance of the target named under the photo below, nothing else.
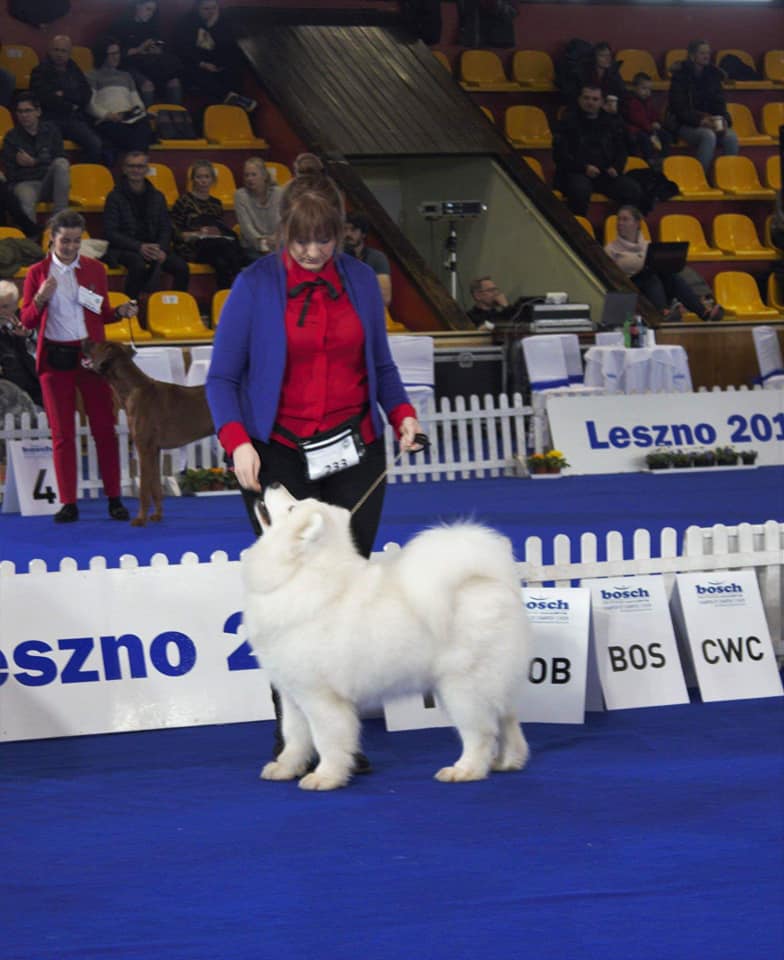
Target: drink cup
(718, 123)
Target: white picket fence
(478, 438)
(759, 547)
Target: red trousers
(59, 393)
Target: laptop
(618, 306)
(666, 257)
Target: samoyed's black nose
(274, 485)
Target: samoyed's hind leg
(512, 746)
(297, 750)
(477, 723)
(335, 728)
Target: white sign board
(30, 483)
(613, 434)
(105, 650)
(636, 651)
(727, 635)
(554, 690)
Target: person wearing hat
(357, 228)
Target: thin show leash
(420, 438)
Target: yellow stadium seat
(20, 60)
(90, 184)
(745, 128)
(738, 177)
(442, 59)
(640, 61)
(126, 330)
(671, 57)
(773, 66)
(682, 227)
(747, 58)
(635, 163)
(161, 177)
(6, 122)
(164, 144)
(611, 229)
(586, 224)
(483, 70)
(488, 113)
(738, 292)
(83, 58)
(773, 118)
(533, 69)
(687, 172)
(773, 172)
(736, 234)
(527, 127)
(218, 299)
(224, 186)
(536, 166)
(11, 233)
(229, 126)
(775, 299)
(174, 315)
(279, 172)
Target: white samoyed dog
(337, 633)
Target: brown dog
(160, 415)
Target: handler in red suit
(66, 299)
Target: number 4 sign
(30, 484)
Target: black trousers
(285, 465)
(143, 274)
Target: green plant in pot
(726, 456)
(659, 460)
(748, 457)
(682, 459)
(704, 458)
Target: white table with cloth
(658, 369)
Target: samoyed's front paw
(459, 775)
(323, 781)
(274, 770)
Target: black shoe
(68, 513)
(116, 509)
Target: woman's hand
(409, 428)
(247, 464)
(45, 292)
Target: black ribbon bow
(310, 286)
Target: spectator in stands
(602, 70)
(666, 291)
(155, 70)
(17, 362)
(697, 109)
(64, 94)
(7, 87)
(34, 159)
(211, 59)
(777, 237)
(357, 228)
(118, 110)
(200, 231)
(139, 231)
(491, 305)
(589, 150)
(11, 210)
(66, 300)
(257, 206)
(650, 140)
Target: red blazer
(90, 274)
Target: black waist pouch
(63, 356)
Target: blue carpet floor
(643, 835)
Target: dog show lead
(300, 363)
(67, 300)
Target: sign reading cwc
(606, 434)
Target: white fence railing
(759, 547)
(475, 438)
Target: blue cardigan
(249, 352)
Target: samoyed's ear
(311, 528)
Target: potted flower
(681, 459)
(659, 460)
(207, 480)
(704, 458)
(555, 461)
(536, 463)
(726, 456)
(748, 457)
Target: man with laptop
(657, 270)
